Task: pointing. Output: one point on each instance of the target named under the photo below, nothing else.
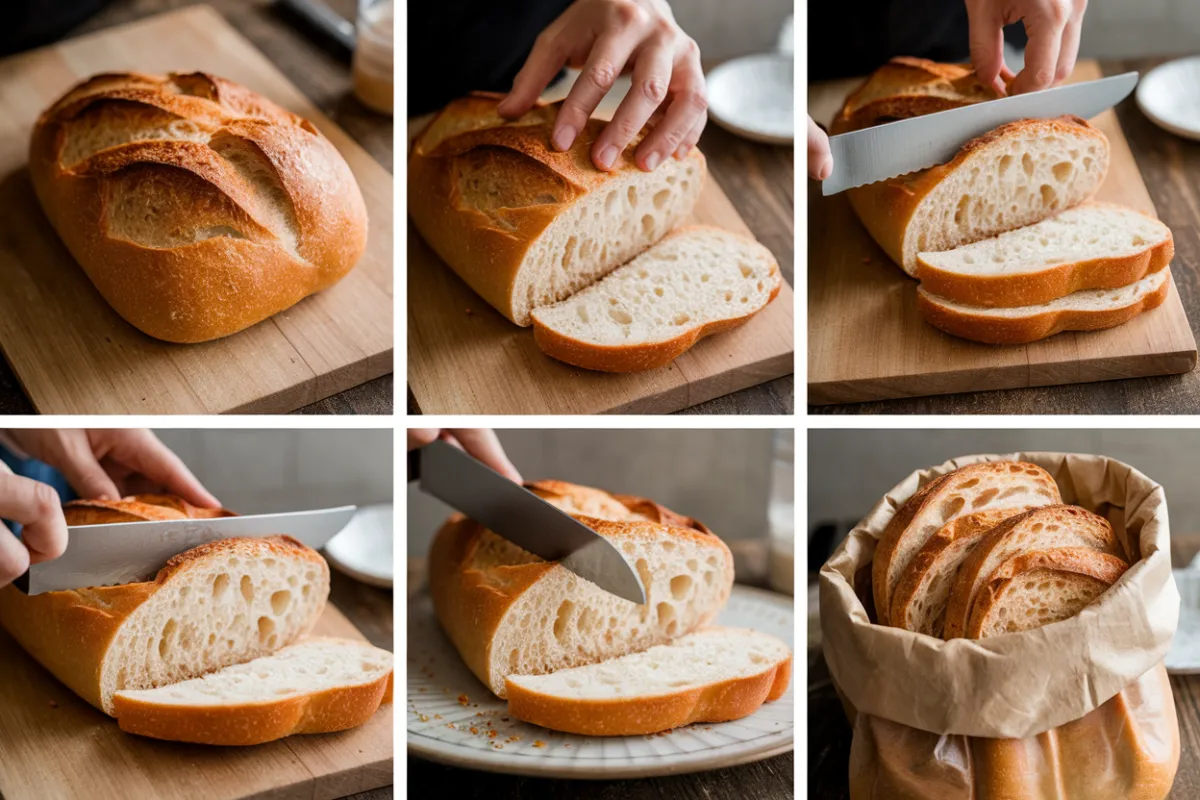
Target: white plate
(442, 692)
(1184, 656)
(753, 97)
(363, 550)
(1169, 95)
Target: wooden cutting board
(866, 340)
(74, 355)
(57, 747)
(465, 358)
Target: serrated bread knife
(526, 520)
(122, 552)
(907, 145)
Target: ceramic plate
(752, 97)
(453, 719)
(1170, 96)
(363, 550)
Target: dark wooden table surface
(759, 181)
(829, 733)
(1170, 166)
(322, 73)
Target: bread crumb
(512, 739)
(451, 726)
(474, 731)
(463, 700)
(423, 718)
(566, 745)
(504, 719)
(539, 743)
(497, 745)
(492, 734)
(437, 716)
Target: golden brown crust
(239, 163)
(137, 508)
(910, 87)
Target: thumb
(820, 160)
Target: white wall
(728, 28)
(260, 471)
(1132, 28)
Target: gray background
(720, 477)
(878, 460)
(262, 471)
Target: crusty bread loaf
(1089, 310)
(1091, 246)
(919, 602)
(314, 686)
(910, 87)
(137, 508)
(526, 225)
(1040, 587)
(974, 488)
(196, 206)
(210, 607)
(509, 612)
(712, 675)
(1043, 528)
(696, 281)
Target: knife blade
(907, 145)
(122, 552)
(526, 520)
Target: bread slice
(509, 612)
(1089, 310)
(1041, 587)
(210, 607)
(1044, 528)
(713, 675)
(315, 686)
(920, 600)
(1092, 246)
(970, 489)
(697, 281)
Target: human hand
(1053, 28)
(605, 38)
(36, 506)
(820, 160)
(109, 463)
(479, 442)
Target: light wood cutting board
(74, 355)
(465, 358)
(57, 747)
(867, 341)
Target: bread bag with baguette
(1048, 671)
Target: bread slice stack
(570, 656)
(213, 649)
(966, 564)
(1004, 239)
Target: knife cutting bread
(168, 657)
(572, 657)
(1003, 237)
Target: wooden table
(1168, 164)
(322, 73)
(829, 733)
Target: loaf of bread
(525, 225)
(137, 508)
(196, 206)
(510, 613)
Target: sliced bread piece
(1089, 310)
(317, 685)
(920, 600)
(713, 675)
(970, 489)
(1041, 587)
(1044, 528)
(1092, 246)
(210, 607)
(697, 281)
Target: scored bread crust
(247, 723)
(920, 598)
(468, 157)
(644, 355)
(1065, 564)
(1038, 529)
(137, 508)
(481, 584)
(72, 633)
(910, 87)
(202, 208)
(1035, 288)
(720, 701)
(943, 500)
(1041, 321)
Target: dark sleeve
(457, 46)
